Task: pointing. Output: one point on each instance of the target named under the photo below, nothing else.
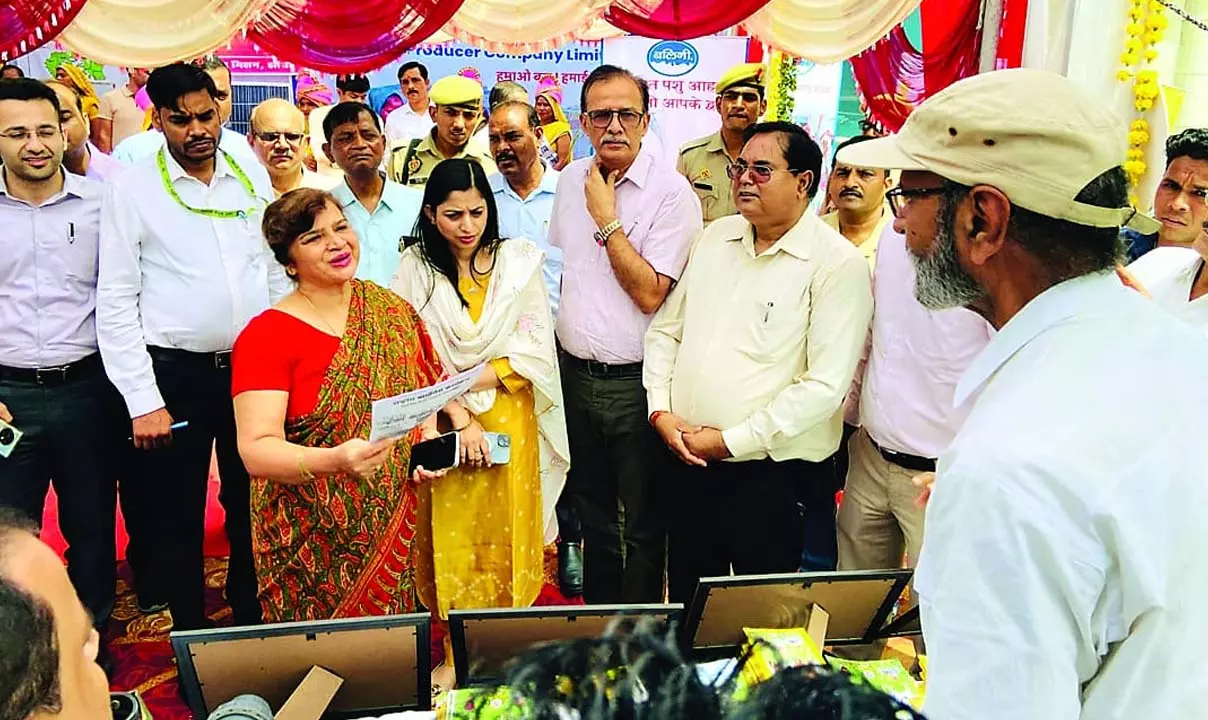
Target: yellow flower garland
(1146, 25)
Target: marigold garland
(1146, 24)
(782, 86)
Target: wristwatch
(601, 236)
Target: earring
(291, 272)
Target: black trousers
(570, 530)
(173, 480)
(743, 515)
(73, 430)
(612, 482)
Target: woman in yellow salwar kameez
(482, 528)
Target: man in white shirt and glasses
(183, 268)
(53, 387)
(747, 366)
(278, 137)
(1062, 572)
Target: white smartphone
(501, 447)
(9, 437)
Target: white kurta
(1168, 274)
(1063, 573)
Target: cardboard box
(312, 696)
(815, 626)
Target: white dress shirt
(1063, 573)
(403, 124)
(916, 358)
(48, 275)
(145, 144)
(762, 347)
(323, 166)
(173, 278)
(1169, 273)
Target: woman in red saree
(333, 516)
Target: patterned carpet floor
(142, 655)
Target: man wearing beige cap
(1062, 573)
(456, 111)
(740, 103)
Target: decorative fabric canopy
(827, 31)
(683, 19)
(523, 26)
(893, 77)
(150, 33)
(26, 25)
(345, 37)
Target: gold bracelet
(302, 470)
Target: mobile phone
(438, 453)
(9, 436)
(501, 447)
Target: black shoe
(570, 569)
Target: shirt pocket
(775, 325)
(708, 193)
(78, 252)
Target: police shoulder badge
(414, 165)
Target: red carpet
(142, 655)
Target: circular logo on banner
(672, 58)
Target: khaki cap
(456, 90)
(746, 74)
(1035, 135)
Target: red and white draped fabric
(342, 37)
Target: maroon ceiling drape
(684, 19)
(346, 37)
(893, 76)
(26, 25)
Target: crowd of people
(688, 361)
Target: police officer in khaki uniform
(740, 102)
(457, 112)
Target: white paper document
(394, 417)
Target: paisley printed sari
(341, 546)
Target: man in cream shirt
(747, 366)
(858, 195)
(1062, 574)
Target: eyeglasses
(899, 196)
(272, 137)
(601, 119)
(43, 133)
(760, 172)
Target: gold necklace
(319, 315)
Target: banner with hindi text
(682, 76)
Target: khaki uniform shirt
(118, 107)
(703, 161)
(412, 167)
(869, 247)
